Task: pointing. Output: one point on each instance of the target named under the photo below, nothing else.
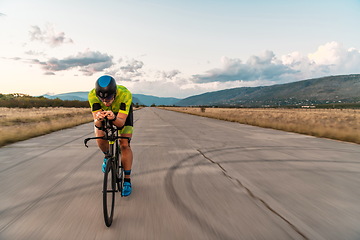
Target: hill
(80, 96)
(150, 100)
(18, 100)
(332, 89)
(137, 98)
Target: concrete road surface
(193, 178)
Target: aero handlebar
(110, 132)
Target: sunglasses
(107, 99)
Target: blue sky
(174, 48)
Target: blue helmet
(105, 87)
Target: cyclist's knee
(101, 141)
(125, 145)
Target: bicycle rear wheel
(109, 189)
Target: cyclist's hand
(109, 114)
(100, 116)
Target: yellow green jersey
(121, 103)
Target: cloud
(89, 63)
(169, 74)
(35, 53)
(327, 54)
(2, 15)
(259, 70)
(329, 59)
(265, 67)
(13, 58)
(48, 36)
(49, 73)
(130, 70)
(337, 58)
(132, 66)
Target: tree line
(18, 100)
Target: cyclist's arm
(120, 120)
(97, 117)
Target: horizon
(172, 49)
(200, 93)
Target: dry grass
(19, 124)
(336, 124)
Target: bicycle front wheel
(109, 189)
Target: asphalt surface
(193, 178)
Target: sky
(170, 48)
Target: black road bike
(114, 171)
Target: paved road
(193, 177)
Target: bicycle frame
(113, 168)
(111, 133)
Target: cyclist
(114, 101)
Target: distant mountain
(345, 88)
(80, 96)
(150, 100)
(332, 89)
(137, 98)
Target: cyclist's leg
(126, 152)
(103, 144)
(126, 160)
